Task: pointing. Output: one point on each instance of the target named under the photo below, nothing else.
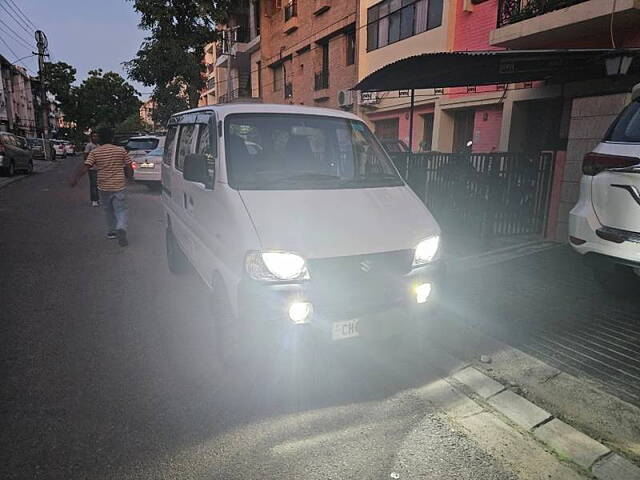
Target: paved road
(108, 373)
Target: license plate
(346, 329)
(147, 165)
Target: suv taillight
(594, 163)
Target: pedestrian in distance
(94, 196)
(113, 165)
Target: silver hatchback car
(15, 154)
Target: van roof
(225, 109)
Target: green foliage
(133, 123)
(59, 78)
(169, 100)
(172, 54)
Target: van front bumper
(385, 307)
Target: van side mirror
(196, 169)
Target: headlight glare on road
(276, 266)
(426, 251)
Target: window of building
(278, 78)
(290, 9)
(350, 38)
(392, 20)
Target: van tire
(176, 259)
(620, 281)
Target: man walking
(113, 165)
(93, 172)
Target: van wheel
(176, 259)
(621, 281)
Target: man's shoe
(122, 237)
(95, 204)
(112, 236)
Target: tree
(172, 53)
(133, 123)
(59, 78)
(102, 99)
(169, 100)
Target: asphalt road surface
(108, 371)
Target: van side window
(170, 144)
(205, 147)
(185, 144)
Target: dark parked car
(15, 154)
(37, 146)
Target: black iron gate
(482, 194)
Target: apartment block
(17, 108)
(308, 52)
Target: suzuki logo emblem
(365, 266)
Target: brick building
(567, 119)
(308, 52)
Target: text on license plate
(346, 329)
(147, 165)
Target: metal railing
(482, 194)
(321, 80)
(290, 10)
(513, 11)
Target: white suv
(604, 225)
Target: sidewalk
(548, 332)
(39, 166)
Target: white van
(300, 224)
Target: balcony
(526, 24)
(290, 17)
(321, 85)
(321, 6)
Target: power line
(15, 19)
(15, 55)
(17, 36)
(20, 12)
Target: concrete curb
(469, 392)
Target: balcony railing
(290, 10)
(513, 11)
(321, 80)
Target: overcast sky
(87, 34)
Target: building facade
(308, 53)
(17, 108)
(566, 119)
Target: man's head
(94, 137)
(105, 135)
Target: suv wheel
(621, 281)
(176, 259)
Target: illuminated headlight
(422, 292)
(426, 251)
(300, 312)
(276, 266)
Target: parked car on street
(139, 147)
(604, 226)
(69, 148)
(15, 154)
(38, 146)
(59, 149)
(149, 171)
(311, 239)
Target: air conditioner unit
(369, 98)
(345, 98)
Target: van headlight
(276, 266)
(426, 251)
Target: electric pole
(43, 44)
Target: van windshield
(290, 152)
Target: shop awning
(496, 67)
